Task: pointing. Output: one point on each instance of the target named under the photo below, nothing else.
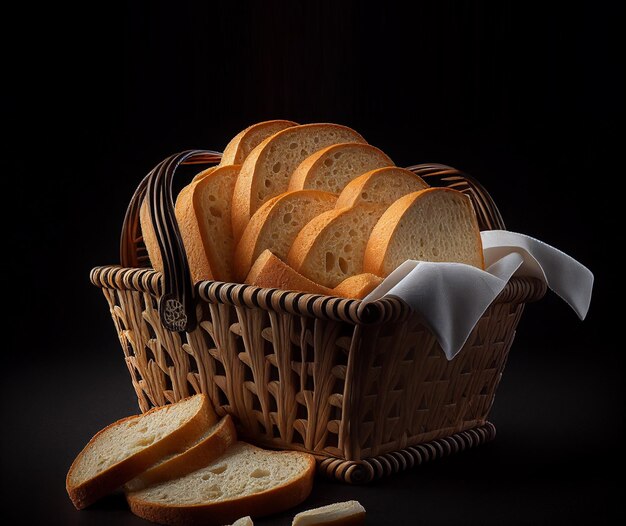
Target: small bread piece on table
(383, 185)
(203, 210)
(271, 272)
(246, 480)
(211, 445)
(349, 513)
(246, 140)
(436, 224)
(244, 521)
(126, 448)
(266, 171)
(276, 224)
(333, 167)
(330, 247)
(357, 287)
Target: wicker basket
(364, 387)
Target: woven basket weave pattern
(334, 387)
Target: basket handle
(489, 217)
(176, 307)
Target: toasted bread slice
(209, 446)
(246, 480)
(203, 211)
(266, 171)
(436, 224)
(333, 167)
(383, 185)
(330, 247)
(246, 140)
(129, 446)
(271, 272)
(276, 224)
(357, 287)
(149, 237)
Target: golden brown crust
(307, 168)
(89, 491)
(383, 233)
(149, 237)
(246, 195)
(206, 257)
(270, 271)
(192, 459)
(257, 229)
(351, 194)
(227, 511)
(357, 287)
(235, 151)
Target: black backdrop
(521, 95)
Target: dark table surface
(557, 412)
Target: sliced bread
(149, 237)
(246, 480)
(203, 211)
(266, 171)
(333, 167)
(383, 185)
(271, 272)
(203, 174)
(246, 140)
(349, 513)
(330, 247)
(276, 224)
(209, 446)
(129, 446)
(436, 224)
(357, 287)
(244, 521)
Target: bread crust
(271, 272)
(300, 179)
(246, 195)
(248, 247)
(193, 458)
(383, 233)
(206, 260)
(351, 194)
(234, 153)
(224, 512)
(358, 286)
(89, 491)
(149, 237)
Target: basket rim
(517, 290)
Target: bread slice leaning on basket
(246, 480)
(126, 448)
(266, 171)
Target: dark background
(525, 96)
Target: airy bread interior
(333, 167)
(437, 224)
(246, 140)
(243, 470)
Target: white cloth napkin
(451, 297)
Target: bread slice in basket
(266, 171)
(330, 248)
(203, 211)
(246, 480)
(383, 186)
(276, 224)
(246, 140)
(126, 448)
(436, 224)
(333, 167)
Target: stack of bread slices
(180, 464)
(314, 208)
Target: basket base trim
(373, 468)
